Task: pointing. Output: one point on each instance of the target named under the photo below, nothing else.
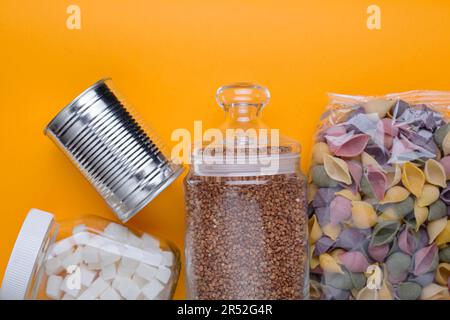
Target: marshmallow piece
(127, 267)
(90, 255)
(108, 272)
(149, 241)
(152, 289)
(141, 282)
(53, 289)
(73, 259)
(167, 258)
(69, 287)
(163, 274)
(147, 272)
(61, 247)
(95, 290)
(79, 228)
(67, 297)
(128, 289)
(87, 276)
(116, 232)
(110, 294)
(53, 266)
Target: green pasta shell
(398, 263)
(384, 232)
(339, 280)
(444, 255)
(437, 210)
(440, 134)
(409, 291)
(321, 179)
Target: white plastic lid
(27, 248)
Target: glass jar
(88, 259)
(246, 219)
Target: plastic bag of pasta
(379, 198)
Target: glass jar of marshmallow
(88, 259)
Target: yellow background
(169, 56)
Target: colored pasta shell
(329, 264)
(406, 241)
(384, 232)
(340, 209)
(348, 146)
(443, 273)
(354, 261)
(429, 195)
(337, 169)
(435, 173)
(434, 292)
(437, 210)
(426, 260)
(321, 178)
(445, 162)
(434, 228)
(395, 194)
(363, 215)
(318, 151)
(379, 253)
(394, 176)
(409, 291)
(348, 194)
(421, 215)
(331, 230)
(444, 236)
(398, 265)
(379, 106)
(413, 178)
(444, 254)
(446, 144)
(440, 134)
(445, 195)
(315, 232)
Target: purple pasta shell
(351, 238)
(323, 215)
(445, 161)
(379, 153)
(397, 278)
(331, 293)
(425, 259)
(323, 197)
(406, 241)
(379, 253)
(340, 209)
(424, 279)
(354, 261)
(399, 108)
(421, 239)
(445, 195)
(323, 245)
(356, 172)
(349, 145)
(378, 181)
(387, 126)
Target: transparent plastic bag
(379, 198)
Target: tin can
(121, 158)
